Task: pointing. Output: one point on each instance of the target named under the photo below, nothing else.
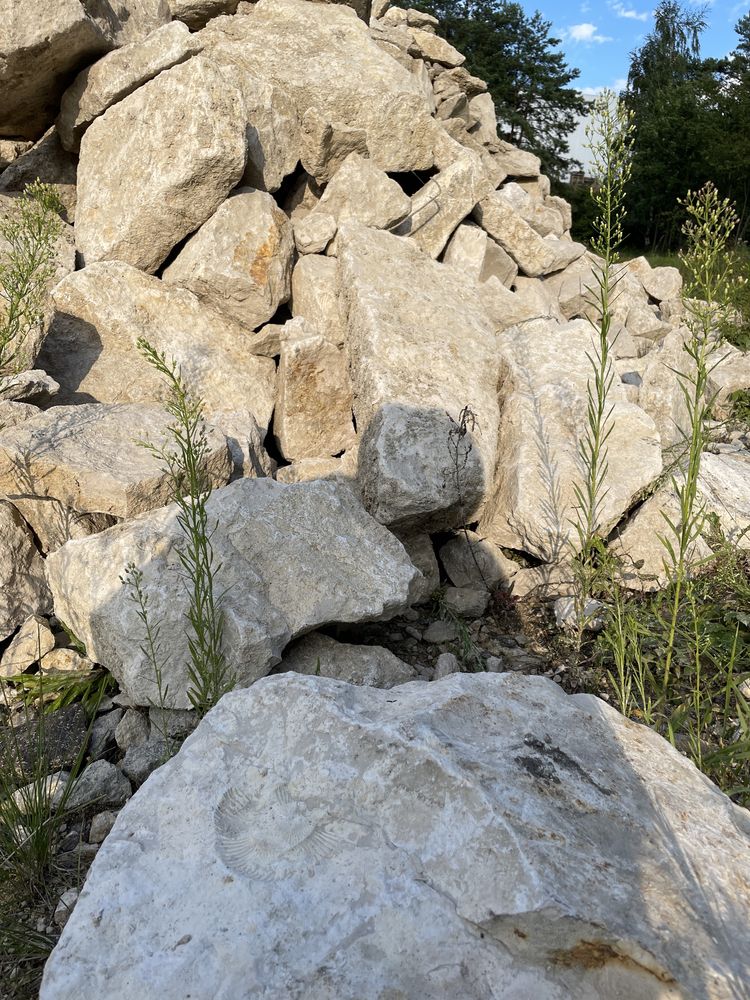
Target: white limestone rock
(661, 283)
(23, 588)
(29, 645)
(362, 191)
(118, 74)
(43, 41)
(422, 349)
(471, 250)
(543, 395)
(315, 297)
(291, 558)
(534, 255)
(239, 262)
(91, 458)
(370, 666)
(723, 492)
(314, 407)
(322, 57)
(158, 164)
(102, 311)
(543, 218)
(313, 232)
(445, 201)
(321, 839)
(472, 561)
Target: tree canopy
(692, 118)
(527, 76)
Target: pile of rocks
(379, 302)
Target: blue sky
(598, 37)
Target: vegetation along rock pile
(324, 445)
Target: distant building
(578, 178)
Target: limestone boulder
(362, 191)
(307, 469)
(723, 492)
(43, 42)
(197, 13)
(472, 561)
(240, 262)
(23, 588)
(377, 844)
(661, 283)
(90, 348)
(127, 21)
(291, 558)
(157, 165)
(313, 232)
(445, 201)
(315, 296)
(427, 45)
(543, 218)
(471, 250)
(118, 74)
(91, 458)
(32, 386)
(423, 358)
(370, 666)
(543, 398)
(47, 161)
(534, 255)
(660, 394)
(731, 374)
(516, 162)
(11, 149)
(313, 417)
(322, 57)
(506, 308)
(29, 645)
(272, 124)
(484, 118)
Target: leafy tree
(527, 77)
(669, 92)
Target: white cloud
(586, 33)
(633, 15)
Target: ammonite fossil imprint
(264, 831)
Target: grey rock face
(100, 784)
(293, 557)
(389, 832)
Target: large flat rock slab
(290, 557)
(322, 56)
(422, 349)
(482, 836)
(543, 395)
(90, 348)
(92, 458)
